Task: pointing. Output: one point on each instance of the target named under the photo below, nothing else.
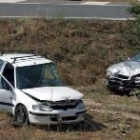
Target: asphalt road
(67, 10)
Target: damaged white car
(124, 76)
(30, 90)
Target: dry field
(109, 117)
(82, 51)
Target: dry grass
(112, 117)
(82, 50)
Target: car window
(4, 84)
(8, 73)
(37, 76)
(136, 58)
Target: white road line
(94, 3)
(11, 1)
(83, 3)
(67, 18)
(69, 4)
(98, 18)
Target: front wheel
(21, 115)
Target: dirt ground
(108, 117)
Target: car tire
(21, 116)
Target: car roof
(22, 59)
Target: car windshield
(136, 58)
(37, 76)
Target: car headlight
(137, 80)
(109, 74)
(81, 106)
(41, 107)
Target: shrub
(135, 24)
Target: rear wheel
(21, 115)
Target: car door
(6, 88)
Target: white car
(30, 90)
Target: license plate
(67, 114)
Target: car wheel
(21, 115)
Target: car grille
(64, 105)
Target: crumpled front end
(64, 112)
(54, 105)
(120, 84)
(123, 76)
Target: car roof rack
(29, 56)
(31, 52)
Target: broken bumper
(56, 118)
(121, 85)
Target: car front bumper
(121, 85)
(56, 118)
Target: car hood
(127, 68)
(53, 93)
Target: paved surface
(68, 10)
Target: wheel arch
(18, 106)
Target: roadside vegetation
(135, 24)
(82, 51)
(103, 0)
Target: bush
(135, 24)
(135, 9)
